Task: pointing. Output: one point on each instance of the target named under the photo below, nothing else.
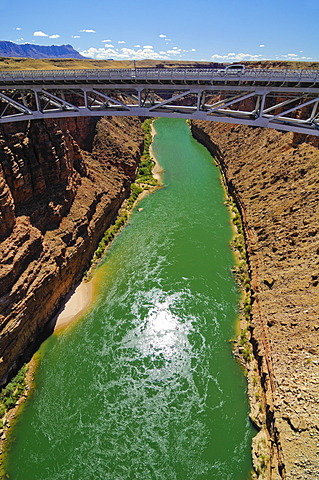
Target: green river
(145, 387)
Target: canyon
(61, 185)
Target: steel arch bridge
(286, 100)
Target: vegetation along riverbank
(145, 182)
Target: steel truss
(261, 98)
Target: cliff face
(61, 184)
(275, 180)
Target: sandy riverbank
(157, 170)
(77, 302)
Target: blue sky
(224, 30)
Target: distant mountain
(10, 49)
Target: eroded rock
(56, 200)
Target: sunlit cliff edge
(274, 178)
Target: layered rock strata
(274, 178)
(61, 185)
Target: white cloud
(173, 52)
(127, 53)
(168, 39)
(20, 39)
(138, 52)
(121, 41)
(18, 28)
(162, 36)
(261, 45)
(231, 57)
(76, 36)
(42, 34)
(99, 53)
(88, 30)
(292, 56)
(106, 41)
(240, 57)
(39, 34)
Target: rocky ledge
(61, 185)
(274, 178)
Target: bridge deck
(275, 77)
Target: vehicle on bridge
(235, 69)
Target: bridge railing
(158, 74)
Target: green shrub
(144, 173)
(247, 308)
(135, 190)
(11, 393)
(9, 402)
(243, 336)
(246, 353)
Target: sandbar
(76, 303)
(157, 170)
